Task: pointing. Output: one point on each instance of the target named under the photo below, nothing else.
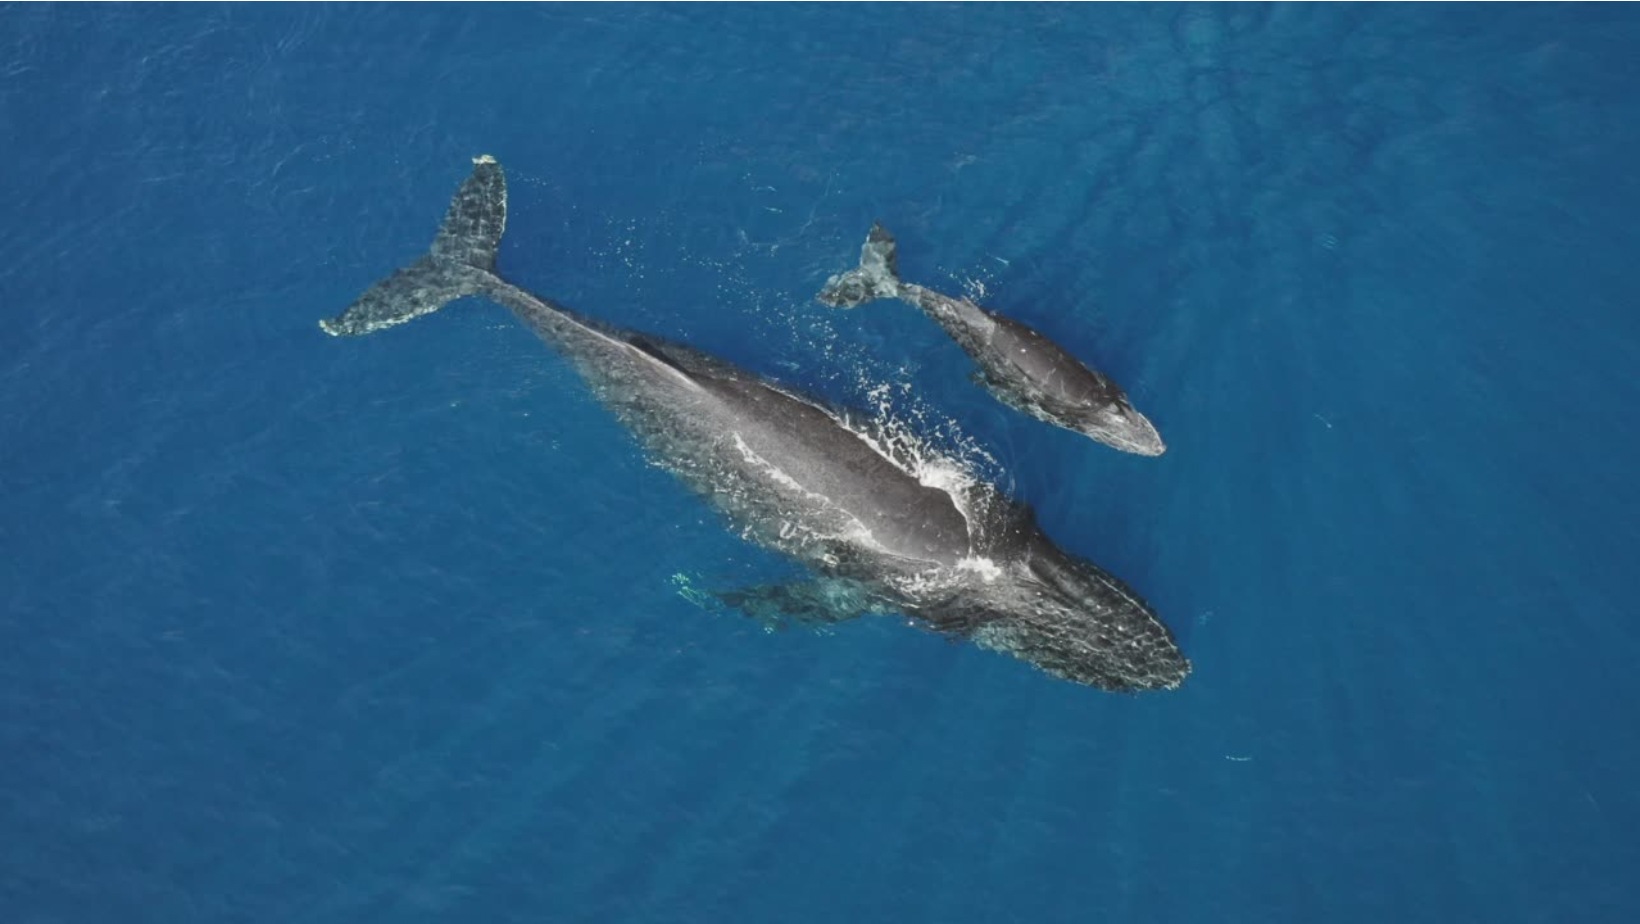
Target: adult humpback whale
(1019, 366)
(804, 480)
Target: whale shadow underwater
(874, 531)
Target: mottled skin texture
(1020, 366)
(796, 476)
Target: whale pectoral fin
(809, 604)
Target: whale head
(1067, 617)
(1119, 425)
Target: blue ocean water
(298, 629)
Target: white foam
(894, 440)
(987, 569)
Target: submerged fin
(461, 261)
(812, 603)
(878, 275)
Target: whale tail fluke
(460, 263)
(878, 275)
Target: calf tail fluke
(878, 275)
(460, 263)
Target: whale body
(809, 481)
(1018, 365)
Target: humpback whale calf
(1017, 364)
(874, 530)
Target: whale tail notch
(878, 275)
(460, 263)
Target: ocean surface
(401, 628)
